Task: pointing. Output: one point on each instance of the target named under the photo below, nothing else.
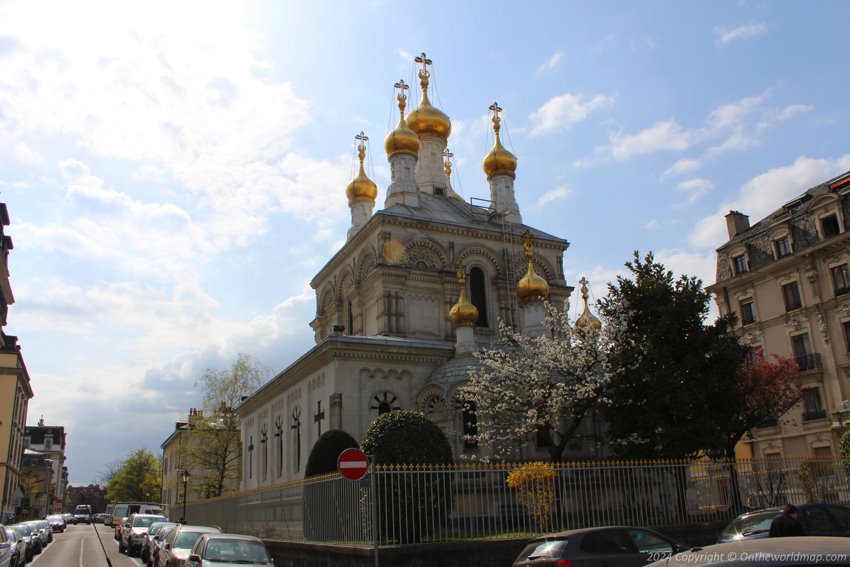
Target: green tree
(214, 448)
(677, 376)
(138, 478)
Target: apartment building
(787, 279)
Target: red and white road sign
(352, 464)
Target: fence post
(374, 491)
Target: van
(82, 513)
(124, 509)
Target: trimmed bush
(323, 457)
(410, 507)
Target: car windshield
(144, 522)
(750, 524)
(185, 540)
(54, 518)
(236, 551)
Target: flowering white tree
(545, 385)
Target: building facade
(787, 279)
(45, 458)
(15, 391)
(417, 287)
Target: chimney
(737, 223)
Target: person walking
(786, 524)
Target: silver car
(228, 550)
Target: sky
(175, 172)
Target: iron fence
(418, 504)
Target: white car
(133, 532)
(228, 550)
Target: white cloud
(695, 188)
(24, 154)
(551, 63)
(653, 224)
(725, 34)
(564, 110)
(765, 193)
(556, 194)
(793, 110)
(682, 166)
(661, 136)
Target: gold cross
(447, 155)
(423, 73)
(362, 138)
(496, 109)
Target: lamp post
(185, 494)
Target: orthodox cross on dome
(461, 274)
(320, 415)
(583, 281)
(447, 161)
(497, 120)
(529, 247)
(401, 86)
(361, 146)
(423, 72)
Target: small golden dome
(531, 287)
(587, 318)
(402, 139)
(428, 121)
(361, 188)
(463, 313)
(499, 161)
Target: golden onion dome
(531, 287)
(361, 188)
(428, 121)
(463, 313)
(499, 161)
(402, 139)
(587, 318)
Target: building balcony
(809, 362)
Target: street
(84, 546)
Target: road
(84, 546)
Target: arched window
(478, 295)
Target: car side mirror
(167, 546)
(195, 558)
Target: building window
(478, 295)
(27, 441)
(841, 279)
(829, 225)
(806, 359)
(791, 295)
(822, 452)
(385, 402)
(48, 443)
(740, 263)
(812, 407)
(783, 246)
(846, 325)
(755, 354)
(748, 311)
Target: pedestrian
(786, 524)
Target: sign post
(353, 465)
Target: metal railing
(418, 504)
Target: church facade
(418, 286)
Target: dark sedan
(817, 520)
(620, 546)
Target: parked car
(149, 543)
(134, 530)
(180, 542)
(8, 549)
(30, 535)
(228, 550)
(817, 520)
(766, 552)
(57, 523)
(39, 532)
(623, 546)
(19, 556)
(69, 519)
(159, 544)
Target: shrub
(411, 505)
(535, 486)
(814, 476)
(323, 457)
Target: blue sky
(175, 171)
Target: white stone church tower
(418, 285)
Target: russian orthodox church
(418, 286)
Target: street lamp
(185, 482)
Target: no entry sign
(352, 464)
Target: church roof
(448, 211)
(453, 371)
